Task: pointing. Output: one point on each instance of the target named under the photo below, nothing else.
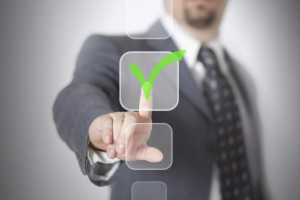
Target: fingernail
(121, 148)
(111, 153)
(107, 139)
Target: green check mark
(147, 85)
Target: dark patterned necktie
(231, 156)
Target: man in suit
(215, 125)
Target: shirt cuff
(102, 167)
(95, 156)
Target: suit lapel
(187, 85)
(237, 76)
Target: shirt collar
(184, 41)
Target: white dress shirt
(183, 40)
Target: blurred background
(39, 42)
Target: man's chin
(200, 21)
(200, 16)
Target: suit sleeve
(92, 92)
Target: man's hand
(108, 133)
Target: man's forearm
(74, 110)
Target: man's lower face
(199, 16)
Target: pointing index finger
(145, 107)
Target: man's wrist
(95, 155)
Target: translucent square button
(165, 86)
(152, 190)
(160, 137)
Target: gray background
(39, 43)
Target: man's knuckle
(132, 115)
(121, 139)
(115, 114)
(107, 120)
(108, 130)
(132, 118)
(118, 121)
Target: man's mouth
(199, 1)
